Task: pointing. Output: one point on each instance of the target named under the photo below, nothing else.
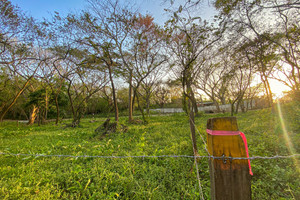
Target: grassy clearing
(137, 178)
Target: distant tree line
(110, 58)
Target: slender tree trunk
(232, 108)
(140, 108)
(184, 94)
(133, 98)
(232, 105)
(238, 103)
(298, 82)
(270, 92)
(33, 115)
(130, 102)
(39, 118)
(46, 106)
(71, 100)
(184, 103)
(237, 107)
(194, 102)
(15, 99)
(192, 127)
(114, 94)
(57, 109)
(191, 115)
(217, 105)
(148, 105)
(267, 89)
(76, 117)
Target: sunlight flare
(289, 144)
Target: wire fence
(155, 156)
(195, 157)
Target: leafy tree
(20, 52)
(151, 84)
(115, 26)
(147, 57)
(188, 38)
(94, 36)
(275, 23)
(56, 84)
(162, 95)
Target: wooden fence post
(230, 179)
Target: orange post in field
(230, 179)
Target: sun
(278, 88)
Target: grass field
(142, 178)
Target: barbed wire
(97, 156)
(153, 156)
(195, 157)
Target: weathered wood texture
(230, 179)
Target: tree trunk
(232, 108)
(140, 108)
(57, 109)
(148, 106)
(39, 119)
(270, 92)
(46, 106)
(71, 100)
(130, 106)
(267, 89)
(217, 105)
(191, 116)
(33, 115)
(15, 99)
(133, 99)
(192, 127)
(194, 102)
(114, 94)
(237, 106)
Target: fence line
(159, 156)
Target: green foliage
(137, 178)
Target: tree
(55, 82)
(147, 57)
(82, 80)
(212, 80)
(93, 27)
(189, 41)
(188, 38)
(252, 19)
(115, 25)
(151, 84)
(162, 94)
(261, 53)
(19, 52)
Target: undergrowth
(142, 178)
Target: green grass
(140, 178)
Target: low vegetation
(30, 177)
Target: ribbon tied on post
(230, 133)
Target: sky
(40, 9)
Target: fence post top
(222, 124)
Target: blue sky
(40, 9)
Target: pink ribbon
(213, 132)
